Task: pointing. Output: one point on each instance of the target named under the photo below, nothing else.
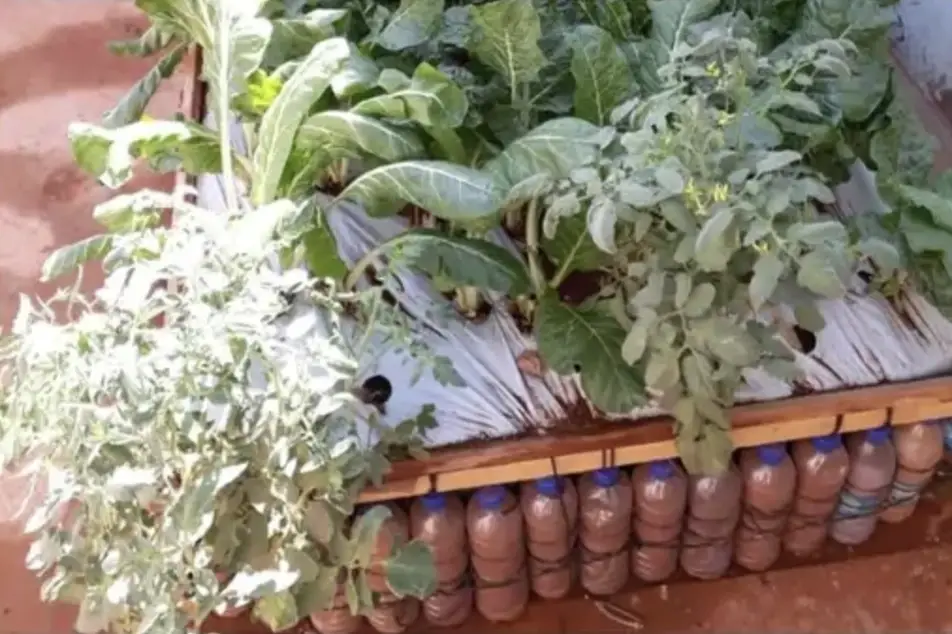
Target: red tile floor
(56, 69)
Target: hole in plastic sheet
(376, 390)
(806, 339)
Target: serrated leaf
(317, 595)
(279, 124)
(700, 300)
(767, 272)
(636, 341)
(603, 78)
(505, 36)
(554, 148)
(465, 261)
(904, 150)
(730, 342)
(818, 274)
(714, 247)
(591, 340)
(133, 212)
(68, 258)
(411, 571)
(704, 448)
(413, 23)
(445, 190)
(938, 206)
(809, 318)
(863, 90)
(430, 98)
(132, 105)
(774, 161)
(882, 254)
(355, 132)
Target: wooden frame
(503, 461)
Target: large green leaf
(111, 154)
(133, 104)
(279, 124)
(555, 148)
(232, 37)
(337, 128)
(429, 98)
(572, 243)
(904, 151)
(465, 261)
(413, 23)
(506, 37)
(938, 205)
(292, 38)
(863, 90)
(670, 21)
(603, 78)
(445, 190)
(589, 341)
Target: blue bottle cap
(661, 469)
(434, 502)
(827, 444)
(491, 497)
(877, 436)
(771, 454)
(551, 486)
(607, 477)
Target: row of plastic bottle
(493, 551)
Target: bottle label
(857, 505)
(903, 493)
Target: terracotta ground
(55, 69)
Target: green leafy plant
(663, 168)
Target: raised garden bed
(293, 290)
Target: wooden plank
(624, 443)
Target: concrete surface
(55, 69)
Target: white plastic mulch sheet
(866, 341)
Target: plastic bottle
(919, 450)
(338, 619)
(497, 544)
(661, 497)
(392, 615)
(822, 465)
(439, 520)
(770, 481)
(872, 466)
(605, 500)
(550, 508)
(713, 511)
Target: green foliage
(677, 154)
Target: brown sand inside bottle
(821, 474)
(919, 450)
(605, 503)
(498, 554)
(713, 512)
(660, 491)
(550, 508)
(770, 480)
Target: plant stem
(564, 270)
(351, 280)
(532, 247)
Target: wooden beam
(568, 451)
